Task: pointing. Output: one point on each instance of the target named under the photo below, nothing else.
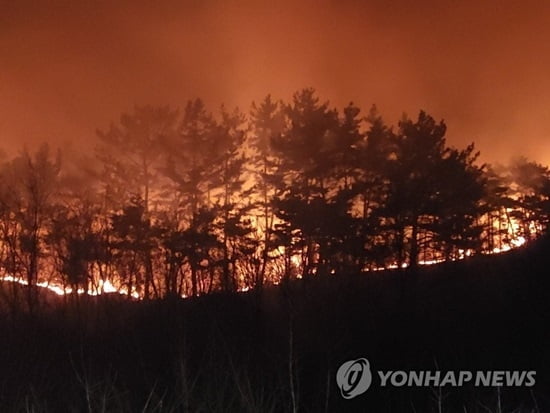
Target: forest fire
(99, 286)
(104, 287)
(184, 205)
(216, 206)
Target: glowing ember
(107, 286)
(104, 287)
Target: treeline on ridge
(189, 202)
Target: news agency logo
(354, 377)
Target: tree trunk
(413, 258)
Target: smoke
(68, 68)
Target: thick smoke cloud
(67, 68)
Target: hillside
(245, 352)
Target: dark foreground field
(280, 350)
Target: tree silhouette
(496, 205)
(370, 192)
(306, 165)
(131, 152)
(30, 183)
(421, 205)
(456, 226)
(531, 182)
(232, 195)
(189, 203)
(134, 241)
(70, 240)
(267, 124)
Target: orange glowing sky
(70, 67)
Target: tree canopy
(189, 202)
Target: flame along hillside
(184, 203)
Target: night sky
(69, 68)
